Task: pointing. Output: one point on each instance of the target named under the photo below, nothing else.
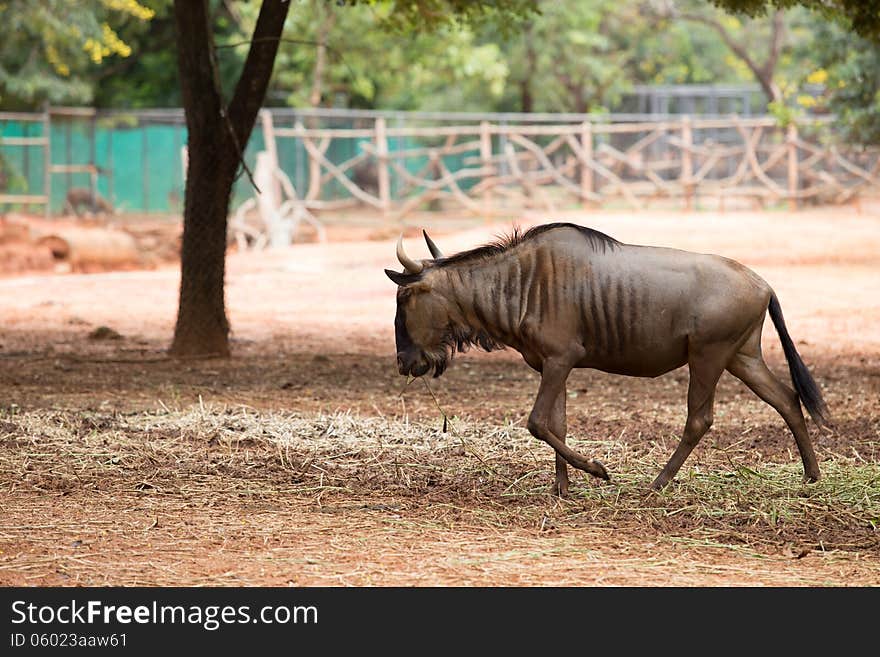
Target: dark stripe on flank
(504, 301)
(477, 303)
(607, 319)
(543, 268)
(497, 300)
(532, 287)
(513, 296)
(619, 315)
(631, 307)
(525, 277)
(598, 333)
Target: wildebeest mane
(459, 339)
(597, 240)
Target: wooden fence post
(486, 163)
(586, 169)
(382, 165)
(271, 147)
(314, 189)
(687, 162)
(791, 144)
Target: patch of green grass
(480, 474)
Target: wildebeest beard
(459, 339)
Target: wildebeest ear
(402, 278)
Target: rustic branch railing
(487, 165)
(500, 167)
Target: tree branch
(257, 70)
(764, 74)
(777, 36)
(737, 48)
(367, 52)
(199, 79)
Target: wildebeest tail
(804, 383)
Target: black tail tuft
(804, 384)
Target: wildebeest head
(422, 326)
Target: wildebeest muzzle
(412, 363)
(410, 359)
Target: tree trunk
(769, 87)
(321, 53)
(202, 328)
(527, 100)
(216, 138)
(527, 103)
(581, 104)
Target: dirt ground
(303, 460)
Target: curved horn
(408, 263)
(435, 252)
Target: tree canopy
(498, 55)
(859, 16)
(51, 50)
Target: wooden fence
(499, 167)
(485, 164)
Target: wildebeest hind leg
(559, 427)
(540, 423)
(705, 369)
(749, 367)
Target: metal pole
(178, 174)
(47, 162)
(110, 189)
(145, 168)
(26, 152)
(93, 178)
(68, 152)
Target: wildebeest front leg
(541, 425)
(558, 426)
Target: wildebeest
(567, 296)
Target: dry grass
(99, 487)
(489, 478)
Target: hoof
(659, 484)
(593, 467)
(810, 478)
(559, 489)
(598, 470)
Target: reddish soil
(312, 333)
